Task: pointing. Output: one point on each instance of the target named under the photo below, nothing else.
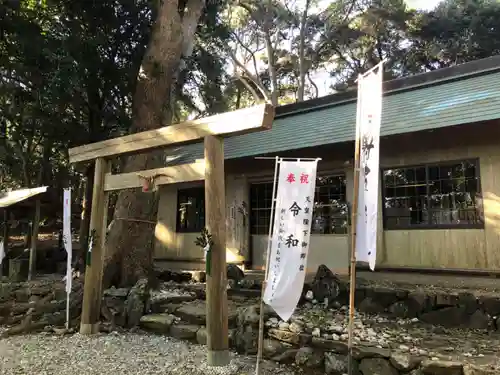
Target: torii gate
(211, 130)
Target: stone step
(171, 325)
(448, 308)
(195, 312)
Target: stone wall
(444, 308)
(28, 307)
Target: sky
(422, 4)
(323, 79)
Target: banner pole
(266, 272)
(68, 246)
(67, 310)
(354, 214)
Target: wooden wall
(473, 249)
(178, 250)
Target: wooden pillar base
(89, 329)
(218, 358)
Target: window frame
(252, 209)
(326, 174)
(427, 165)
(177, 213)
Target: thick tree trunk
(302, 57)
(131, 235)
(85, 218)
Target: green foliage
(204, 239)
(68, 68)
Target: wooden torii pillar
(211, 130)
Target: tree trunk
(85, 218)
(302, 57)
(129, 247)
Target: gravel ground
(128, 353)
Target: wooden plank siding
(461, 249)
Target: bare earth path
(109, 354)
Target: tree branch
(255, 80)
(249, 88)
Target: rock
(249, 315)
(22, 295)
(385, 296)
(447, 317)
(164, 275)
(417, 303)
(136, 302)
(246, 339)
(338, 347)
(159, 323)
(199, 276)
(284, 325)
(6, 289)
(404, 362)
(164, 296)
(490, 304)
(469, 301)
(272, 348)
(377, 366)
(201, 336)
(361, 352)
(476, 370)
(438, 367)
(335, 364)
(194, 313)
(479, 320)
(296, 327)
(249, 284)
(116, 293)
(288, 356)
(285, 336)
(316, 332)
(399, 309)
(180, 277)
(325, 284)
(184, 331)
(309, 295)
(370, 306)
(447, 299)
(309, 358)
(234, 273)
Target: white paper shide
(291, 234)
(368, 123)
(67, 236)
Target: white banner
(291, 233)
(368, 123)
(67, 240)
(2, 252)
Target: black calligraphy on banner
(291, 241)
(366, 148)
(305, 232)
(277, 259)
(295, 209)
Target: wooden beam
(168, 175)
(228, 124)
(5, 236)
(216, 287)
(94, 261)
